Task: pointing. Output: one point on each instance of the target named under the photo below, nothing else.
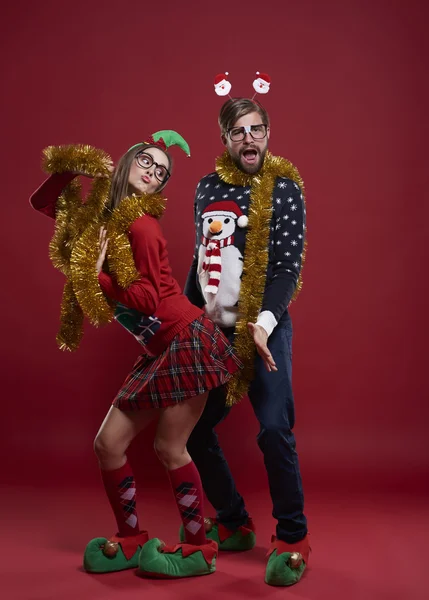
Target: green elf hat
(166, 138)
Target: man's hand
(260, 337)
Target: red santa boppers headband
(261, 84)
(226, 208)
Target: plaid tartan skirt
(198, 359)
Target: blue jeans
(272, 400)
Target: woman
(185, 355)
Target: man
(246, 277)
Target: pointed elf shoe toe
(182, 560)
(114, 554)
(286, 562)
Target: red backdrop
(348, 106)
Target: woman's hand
(110, 166)
(102, 243)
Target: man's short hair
(235, 108)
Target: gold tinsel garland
(74, 247)
(119, 254)
(72, 215)
(61, 244)
(79, 158)
(89, 219)
(73, 219)
(85, 277)
(256, 256)
(71, 328)
(120, 257)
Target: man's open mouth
(250, 156)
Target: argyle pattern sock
(121, 491)
(187, 488)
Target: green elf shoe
(244, 538)
(182, 560)
(286, 562)
(114, 554)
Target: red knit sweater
(156, 294)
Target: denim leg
(272, 400)
(216, 476)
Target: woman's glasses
(145, 161)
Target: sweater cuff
(267, 320)
(44, 199)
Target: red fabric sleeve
(143, 295)
(44, 199)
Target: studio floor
(365, 547)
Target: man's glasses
(257, 132)
(145, 161)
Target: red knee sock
(188, 491)
(121, 490)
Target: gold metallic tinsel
(76, 158)
(60, 247)
(85, 278)
(119, 254)
(256, 256)
(76, 219)
(71, 329)
(94, 208)
(74, 215)
(120, 257)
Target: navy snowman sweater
(286, 245)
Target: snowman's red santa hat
(226, 208)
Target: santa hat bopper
(226, 208)
(264, 77)
(164, 139)
(221, 78)
(221, 84)
(261, 84)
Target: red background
(348, 104)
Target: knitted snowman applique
(220, 262)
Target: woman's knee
(170, 455)
(105, 447)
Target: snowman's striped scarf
(213, 261)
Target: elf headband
(261, 84)
(164, 139)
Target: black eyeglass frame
(150, 157)
(248, 129)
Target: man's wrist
(267, 321)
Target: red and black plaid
(198, 359)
